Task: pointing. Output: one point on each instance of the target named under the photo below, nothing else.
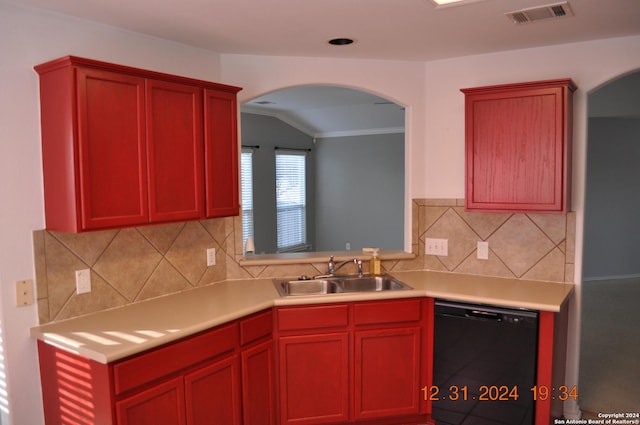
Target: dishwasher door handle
(485, 315)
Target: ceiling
(412, 30)
(326, 111)
(383, 29)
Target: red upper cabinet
(221, 164)
(93, 148)
(175, 151)
(126, 147)
(518, 146)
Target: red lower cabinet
(314, 384)
(352, 363)
(208, 395)
(387, 372)
(212, 394)
(258, 375)
(364, 363)
(204, 379)
(160, 404)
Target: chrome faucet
(333, 268)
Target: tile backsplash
(523, 246)
(127, 265)
(135, 264)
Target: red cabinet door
(387, 372)
(221, 154)
(518, 146)
(111, 149)
(126, 147)
(314, 378)
(258, 401)
(175, 151)
(160, 404)
(212, 394)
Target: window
(4, 401)
(291, 204)
(246, 175)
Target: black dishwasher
(484, 364)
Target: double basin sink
(338, 285)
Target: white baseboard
(572, 410)
(612, 277)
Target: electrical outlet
(83, 281)
(437, 247)
(211, 257)
(348, 246)
(483, 250)
(24, 292)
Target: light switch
(24, 292)
(211, 257)
(83, 281)
(437, 247)
(483, 250)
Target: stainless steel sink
(288, 288)
(371, 284)
(338, 285)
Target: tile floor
(609, 380)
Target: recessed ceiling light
(447, 3)
(341, 41)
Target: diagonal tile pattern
(528, 246)
(520, 244)
(135, 264)
(192, 240)
(127, 265)
(128, 262)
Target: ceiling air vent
(539, 13)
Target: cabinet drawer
(313, 317)
(256, 327)
(166, 360)
(376, 312)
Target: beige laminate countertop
(114, 334)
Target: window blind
(246, 176)
(291, 204)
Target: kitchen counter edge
(114, 334)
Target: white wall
(435, 111)
(434, 122)
(28, 38)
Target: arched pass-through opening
(356, 160)
(610, 325)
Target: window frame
(246, 193)
(296, 236)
